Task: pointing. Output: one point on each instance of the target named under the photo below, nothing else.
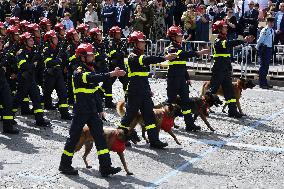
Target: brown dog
(115, 139)
(164, 116)
(240, 85)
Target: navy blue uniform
(86, 110)
(177, 81)
(108, 16)
(117, 52)
(139, 93)
(222, 71)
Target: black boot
(154, 139)
(9, 128)
(49, 107)
(109, 170)
(25, 110)
(190, 125)
(40, 121)
(65, 115)
(109, 104)
(233, 112)
(65, 166)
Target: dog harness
(118, 145)
(167, 123)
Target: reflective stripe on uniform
(231, 100)
(85, 90)
(150, 126)
(84, 76)
(141, 74)
(38, 111)
(63, 106)
(111, 53)
(102, 152)
(141, 60)
(47, 60)
(108, 94)
(72, 58)
(102, 89)
(14, 110)
(177, 63)
(224, 44)
(186, 112)
(68, 153)
(1, 106)
(8, 117)
(20, 63)
(221, 55)
(122, 126)
(26, 100)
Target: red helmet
(218, 25)
(13, 30)
(49, 35)
(2, 25)
(84, 49)
(24, 24)
(70, 33)
(114, 30)
(59, 26)
(82, 27)
(44, 22)
(136, 36)
(14, 20)
(24, 37)
(32, 27)
(95, 31)
(174, 31)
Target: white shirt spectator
(91, 18)
(278, 19)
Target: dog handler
(85, 84)
(222, 68)
(139, 91)
(177, 77)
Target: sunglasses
(230, 12)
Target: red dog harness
(167, 123)
(118, 145)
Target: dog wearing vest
(164, 118)
(238, 86)
(115, 139)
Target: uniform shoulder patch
(19, 52)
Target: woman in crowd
(91, 16)
(231, 21)
(159, 25)
(138, 19)
(189, 19)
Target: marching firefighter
(177, 77)
(73, 40)
(117, 52)
(83, 30)
(6, 96)
(85, 82)
(139, 91)
(23, 26)
(101, 63)
(60, 32)
(14, 21)
(53, 75)
(222, 68)
(26, 78)
(45, 25)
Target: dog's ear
(171, 107)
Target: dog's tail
(120, 108)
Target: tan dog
(164, 116)
(115, 139)
(239, 85)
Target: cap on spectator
(14, 20)
(59, 26)
(49, 35)
(174, 31)
(82, 27)
(70, 33)
(32, 27)
(84, 49)
(136, 36)
(95, 31)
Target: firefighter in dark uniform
(45, 25)
(101, 63)
(14, 21)
(26, 78)
(60, 31)
(85, 82)
(222, 68)
(73, 40)
(139, 91)
(53, 75)
(23, 26)
(178, 78)
(117, 52)
(264, 46)
(6, 96)
(82, 29)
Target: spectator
(212, 9)
(2, 12)
(108, 16)
(266, 10)
(202, 24)
(179, 8)
(15, 9)
(279, 25)
(231, 21)
(76, 7)
(189, 19)
(138, 19)
(91, 16)
(122, 15)
(159, 25)
(148, 9)
(68, 24)
(28, 12)
(220, 15)
(169, 13)
(53, 9)
(62, 8)
(38, 10)
(251, 20)
(260, 13)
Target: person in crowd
(279, 25)
(91, 16)
(122, 15)
(202, 24)
(138, 19)
(169, 13)
(231, 21)
(148, 9)
(15, 9)
(251, 19)
(108, 15)
(159, 25)
(220, 15)
(38, 10)
(62, 9)
(67, 22)
(260, 12)
(189, 19)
